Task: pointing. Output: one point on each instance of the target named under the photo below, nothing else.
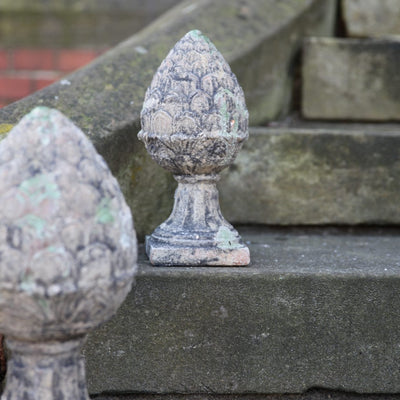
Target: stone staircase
(315, 198)
(334, 160)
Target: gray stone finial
(194, 122)
(67, 253)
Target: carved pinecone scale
(194, 116)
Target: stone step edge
(315, 176)
(312, 310)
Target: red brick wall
(26, 70)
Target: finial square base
(165, 254)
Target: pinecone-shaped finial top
(194, 96)
(68, 247)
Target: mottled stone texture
(360, 81)
(315, 308)
(40, 371)
(194, 121)
(371, 18)
(332, 174)
(316, 394)
(68, 252)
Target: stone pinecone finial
(194, 117)
(68, 250)
(194, 122)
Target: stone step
(316, 394)
(371, 18)
(315, 173)
(351, 79)
(315, 308)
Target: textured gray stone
(68, 253)
(194, 122)
(260, 40)
(309, 395)
(313, 309)
(371, 18)
(336, 174)
(352, 79)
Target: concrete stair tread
(280, 251)
(295, 122)
(316, 308)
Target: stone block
(371, 18)
(334, 175)
(315, 308)
(351, 79)
(315, 394)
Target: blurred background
(43, 40)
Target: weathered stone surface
(194, 122)
(65, 227)
(68, 253)
(259, 40)
(360, 81)
(45, 371)
(313, 309)
(371, 18)
(309, 395)
(196, 233)
(328, 175)
(194, 117)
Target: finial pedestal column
(46, 371)
(196, 233)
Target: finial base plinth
(167, 254)
(196, 233)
